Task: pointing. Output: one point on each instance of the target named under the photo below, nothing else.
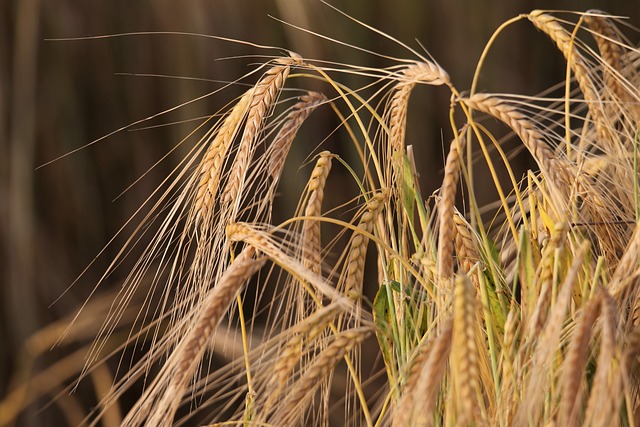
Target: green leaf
(382, 321)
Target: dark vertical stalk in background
(21, 311)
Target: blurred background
(58, 96)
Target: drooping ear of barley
(210, 168)
(567, 45)
(282, 141)
(161, 400)
(609, 45)
(564, 179)
(423, 72)
(305, 333)
(277, 152)
(293, 406)
(554, 168)
(262, 242)
(265, 94)
(288, 358)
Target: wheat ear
(547, 344)
(265, 94)
(605, 395)
(420, 72)
(359, 242)
(295, 402)
(419, 395)
(544, 279)
(563, 40)
(575, 361)
(210, 167)
(311, 249)
(606, 36)
(528, 132)
(282, 142)
(161, 401)
(464, 357)
(446, 215)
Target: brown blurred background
(56, 96)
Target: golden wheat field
(300, 263)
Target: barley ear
(282, 370)
(563, 40)
(606, 36)
(295, 403)
(553, 168)
(464, 356)
(447, 227)
(547, 345)
(571, 379)
(606, 389)
(282, 141)
(311, 248)
(265, 94)
(161, 400)
(359, 242)
(417, 73)
(210, 168)
(544, 279)
(420, 392)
